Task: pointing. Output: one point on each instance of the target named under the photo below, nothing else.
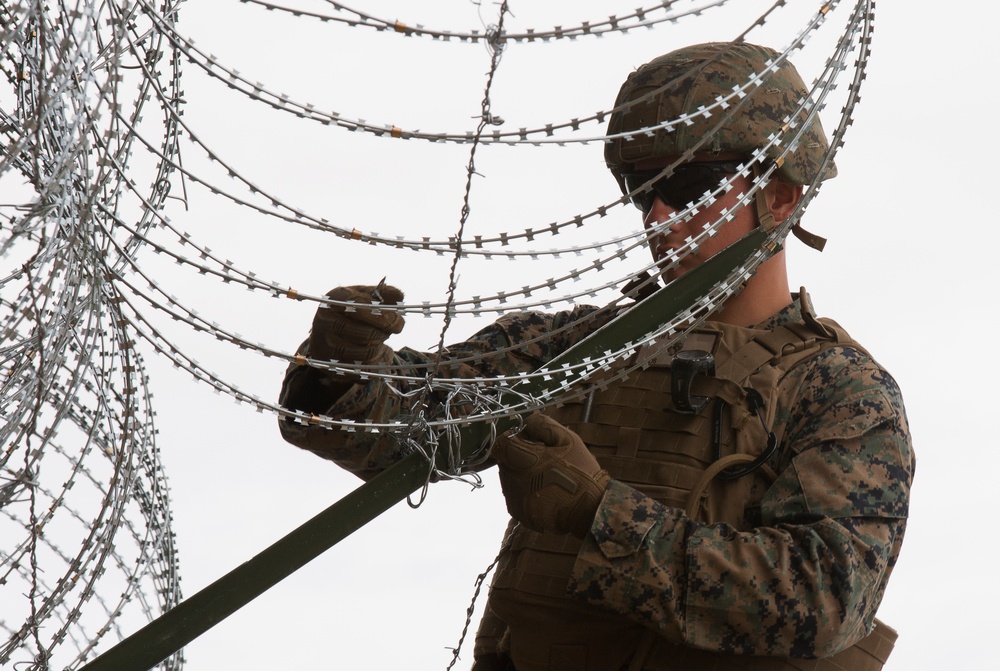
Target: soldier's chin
(668, 273)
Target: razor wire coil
(103, 172)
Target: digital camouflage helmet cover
(690, 85)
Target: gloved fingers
(339, 339)
(347, 352)
(515, 453)
(555, 485)
(387, 320)
(342, 327)
(543, 429)
(363, 293)
(356, 331)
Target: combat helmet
(683, 83)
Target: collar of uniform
(793, 312)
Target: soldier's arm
(807, 582)
(365, 453)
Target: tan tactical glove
(550, 479)
(355, 334)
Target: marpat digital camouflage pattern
(780, 569)
(798, 571)
(685, 81)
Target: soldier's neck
(765, 294)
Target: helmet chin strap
(817, 242)
(766, 220)
(764, 216)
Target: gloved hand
(355, 335)
(550, 479)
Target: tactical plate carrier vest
(701, 453)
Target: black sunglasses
(685, 185)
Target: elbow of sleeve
(853, 593)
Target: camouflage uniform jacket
(804, 581)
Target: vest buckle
(684, 366)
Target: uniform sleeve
(517, 343)
(808, 580)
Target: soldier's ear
(781, 198)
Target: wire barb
(107, 169)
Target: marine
(738, 500)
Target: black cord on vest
(756, 403)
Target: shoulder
(843, 370)
(847, 449)
(839, 394)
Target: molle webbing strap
(868, 654)
(762, 348)
(782, 340)
(880, 642)
(747, 359)
(628, 442)
(642, 650)
(825, 327)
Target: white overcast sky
(912, 231)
